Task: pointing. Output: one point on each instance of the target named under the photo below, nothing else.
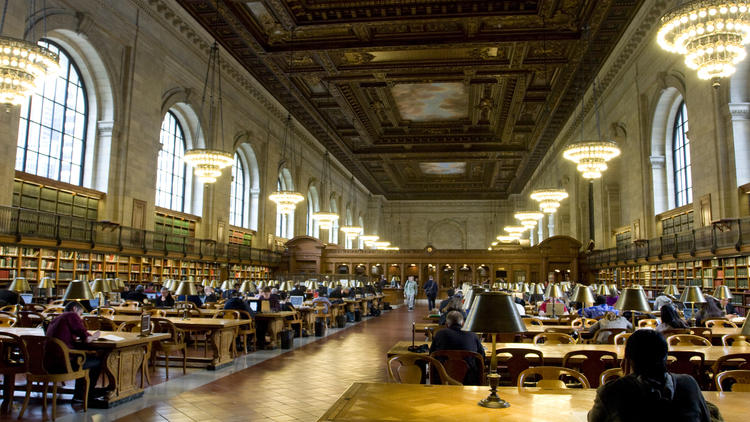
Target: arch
(361, 223)
(665, 109)
(284, 222)
(252, 181)
(348, 220)
(443, 234)
(333, 235)
(313, 206)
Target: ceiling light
(325, 219)
(507, 238)
(207, 164)
(591, 156)
(351, 231)
(549, 199)
(24, 66)
(286, 200)
(528, 219)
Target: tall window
(170, 179)
(313, 228)
(683, 182)
(282, 220)
(333, 234)
(238, 197)
(52, 130)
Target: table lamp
(99, 287)
(633, 299)
(494, 313)
(214, 283)
(46, 285)
(245, 287)
(722, 292)
(262, 284)
(78, 290)
(19, 285)
(117, 283)
(582, 294)
(671, 290)
(692, 295)
(745, 328)
(553, 292)
(613, 289)
(602, 290)
(186, 288)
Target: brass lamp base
(493, 401)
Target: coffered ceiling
(425, 99)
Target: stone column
(9, 118)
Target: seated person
(322, 290)
(670, 319)
(453, 338)
(709, 310)
(284, 304)
(165, 299)
(610, 320)
(211, 296)
(226, 294)
(543, 307)
(649, 392)
(599, 309)
(273, 300)
(324, 300)
(336, 293)
(444, 302)
(729, 310)
(662, 300)
(298, 290)
(454, 305)
(68, 327)
(237, 304)
(138, 295)
(9, 297)
(519, 306)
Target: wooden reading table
(275, 325)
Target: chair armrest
(80, 358)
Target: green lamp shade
(186, 288)
(722, 292)
(47, 283)
(582, 294)
(78, 290)
(745, 328)
(692, 294)
(494, 312)
(100, 286)
(553, 291)
(602, 290)
(20, 285)
(671, 290)
(538, 289)
(633, 299)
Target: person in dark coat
(138, 295)
(165, 300)
(444, 302)
(431, 290)
(453, 338)
(649, 392)
(236, 303)
(211, 296)
(298, 290)
(10, 297)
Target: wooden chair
(36, 307)
(621, 338)
(132, 304)
(595, 362)
(534, 321)
(741, 378)
(13, 309)
(37, 348)
(104, 312)
(227, 314)
(687, 340)
(687, 362)
(176, 342)
(550, 378)
(721, 323)
(247, 331)
(610, 375)
(157, 313)
(95, 322)
(517, 362)
(731, 361)
(135, 327)
(410, 369)
(610, 338)
(456, 364)
(294, 323)
(735, 340)
(648, 323)
(13, 361)
(7, 321)
(29, 319)
(53, 309)
(58, 302)
(553, 338)
(702, 332)
(320, 313)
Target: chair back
(553, 338)
(48, 355)
(7, 320)
(245, 315)
(13, 355)
(594, 363)
(686, 362)
(675, 331)
(58, 302)
(621, 339)
(517, 362)
(687, 340)
(53, 309)
(720, 323)
(610, 375)
(607, 335)
(104, 312)
(95, 322)
(534, 321)
(648, 323)
(158, 313)
(736, 340)
(162, 325)
(36, 307)
(11, 308)
(736, 380)
(458, 364)
(131, 326)
(132, 304)
(29, 319)
(551, 378)
(731, 361)
(227, 314)
(702, 332)
(410, 367)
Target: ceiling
(425, 99)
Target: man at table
(453, 338)
(68, 327)
(729, 310)
(236, 303)
(211, 296)
(273, 300)
(444, 302)
(165, 300)
(138, 295)
(599, 309)
(649, 392)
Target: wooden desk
(393, 296)
(430, 403)
(122, 360)
(275, 322)
(554, 353)
(170, 311)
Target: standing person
(410, 291)
(431, 290)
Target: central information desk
(122, 361)
(431, 403)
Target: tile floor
(272, 385)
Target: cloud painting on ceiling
(429, 102)
(443, 169)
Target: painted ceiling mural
(474, 89)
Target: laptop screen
(296, 301)
(94, 303)
(152, 296)
(254, 306)
(27, 297)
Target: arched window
(683, 182)
(284, 222)
(238, 200)
(52, 130)
(360, 242)
(313, 228)
(333, 234)
(349, 242)
(170, 179)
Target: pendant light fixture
(549, 199)
(325, 219)
(528, 219)
(24, 65)
(351, 231)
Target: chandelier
(515, 231)
(286, 200)
(207, 163)
(549, 199)
(369, 239)
(381, 244)
(710, 34)
(591, 156)
(528, 219)
(324, 218)
(505, 239)
(351, 231)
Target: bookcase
(249, 272)
(240, 237)
(37, 196)
(172, 224)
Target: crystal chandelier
(528, 219)
(515, 231)
(325, 219)
(591, 156)
(351, 231)
(549, 199)
(286, 201)
(207, 163)
(369, 239)
(381, 244)
(505, 239)
(24, 66)
(710, 34)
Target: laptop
(296, 301)
(94, 303)
(27, 297)
(152, 296)
(254, 306)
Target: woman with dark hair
(670, 319)
(649, 392)
(709, 310)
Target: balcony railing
(724, 234)
(24, 223)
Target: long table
(431, 403)
(170, 311)
(122, 360)
(554, 353)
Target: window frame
(238, 206)
(681, 164)
(178, 125)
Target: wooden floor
(296, 386)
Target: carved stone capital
(739, 111)
(657, 161)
